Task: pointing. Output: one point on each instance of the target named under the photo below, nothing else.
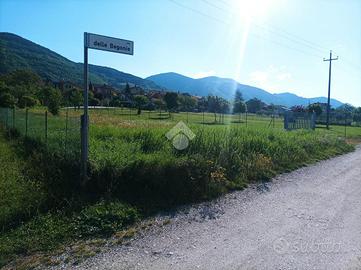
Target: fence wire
(61, 134)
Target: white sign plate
(110, 44)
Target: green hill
(19, 53)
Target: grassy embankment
(135, 171)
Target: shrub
(27, 101)
(7, 100)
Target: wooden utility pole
(329, 88)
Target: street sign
(110, 44)
(98, 42)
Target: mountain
(226, 88)
(19, 53)
(290, 99)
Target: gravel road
(307, 219)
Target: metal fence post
(14, 118)
(7, 119)
(26, 122)
(46, 127)
(66, 131)
(8, 122)
(313, 120)
(285, 121)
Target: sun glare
(252, 9)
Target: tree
(224, 107)
(298, 108)
(202, 104)
(6, 94)
(159, 103)
(51, 98)
(357, 115)
(75, 98)
(238, 104)
(171, 100)
(213, 105)
(7, 100)
(346, 108)
(93, 101)
(187, 102)
(22, 83)
(127, 89)
(140, 101)
(316, 108)
(27, 101)
(254, 105)
(23, 77)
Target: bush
(27, 101)
(51, 98)
(7, 100)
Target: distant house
(154, 95)
(102, 90)
(63, 85)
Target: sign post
(103, 43)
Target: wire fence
(299, 120)
(341, 119)
(190, 117)
(61, 134)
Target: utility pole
(329, 88)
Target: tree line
(24, 88)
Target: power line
(293, 37)
(285, 35)
(310, 43)
(275, 30)
(197, 11)
(253, 34)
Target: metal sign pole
(104, 43)
(85, 117)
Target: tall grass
(141, 165)
(134, 170)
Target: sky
(277, 45)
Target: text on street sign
(110, 44)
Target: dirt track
(307, 219)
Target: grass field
(134, 169)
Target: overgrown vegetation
(41, 204)
(134, 169)
(20, 197)
(134, 172)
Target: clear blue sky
(278, 45)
